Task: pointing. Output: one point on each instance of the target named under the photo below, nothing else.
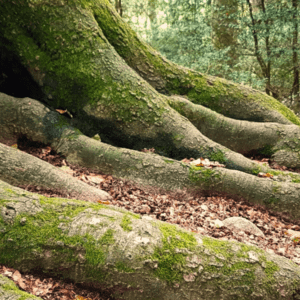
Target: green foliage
(272, 200)
(267, 151)
(126, 223)
(183, 33)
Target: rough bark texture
(223, 35)
(9, 291)
(147, 259)
(247, 135)
(80, 56)
(49, 127)
(110, 96)
(225, 97)
(20, 168)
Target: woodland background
(252, 42)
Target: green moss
(173, 238)
(209, 94)
(126, 223)
(276, 188)
(272, 104)
(272, 200)
(276, 172)
(266, 150)
(11, 191)
(121, 266)
(97, 137)
(168, 161)
(133, 215)
(62, 124)
(177, 138)
(270, 268)
(202, 174)
(256, 170)
(223, 248)
(11, 287)
(193, 173)
(3, 202)
(43, 229)
(218, 156)
(295, 177)
(80, 82)
(95, 255)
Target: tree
(295, 89)
(186, 38)
(233, 21)
(256, 27)
(80, 56)
(225, 35)
(245, 41)
(119, 8)
(269, 24)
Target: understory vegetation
(249, 42)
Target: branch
(254, 32)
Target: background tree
(119, 7)
(225, 35)
(295, 89)
(265, 65)
(265, 41)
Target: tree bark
(119, 7)
(20, 168)
(247, 135)
(43, 125)
(9, 291)
(83, 57)
(296, 88)
(145, 259)
(223, 35)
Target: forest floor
(194, 211)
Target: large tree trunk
(8, 290)
(153, 271)
(83, 57)
(145, 259)
(77, 69)
(43, 125)
(231, 100)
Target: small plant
(296, 240)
